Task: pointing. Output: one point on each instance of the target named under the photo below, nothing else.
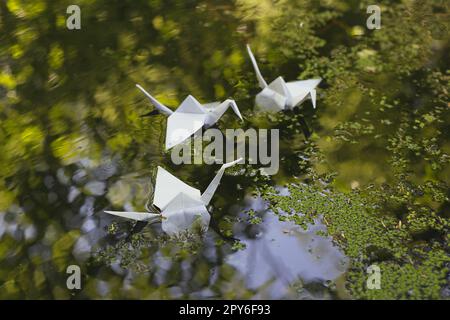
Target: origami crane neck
(261, 81)
(162, 108)
(209, 192)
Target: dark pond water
(76, 144)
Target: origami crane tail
(209, 192)
(261, 81)
(137, 216)
(162, 108)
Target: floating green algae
(368, 235)
(377, 173)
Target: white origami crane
(180, 204)
(190, 117)
(281, 95)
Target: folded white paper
(181, 205)
(190, 116)
(282, 95)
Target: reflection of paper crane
(282, 95)
(180, 204)
(190, 116)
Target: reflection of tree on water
(69, 106)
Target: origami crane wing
(185, 121)
(270, 100)
(301, 84)
(209, 192)
(211, 105)
(191, 105)
(261, 81)
(168, 187)
(182, 212)
(180, 126)
(138, 216)
(275, 96)
(161, 108)
(279, 86)
(299, 90)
